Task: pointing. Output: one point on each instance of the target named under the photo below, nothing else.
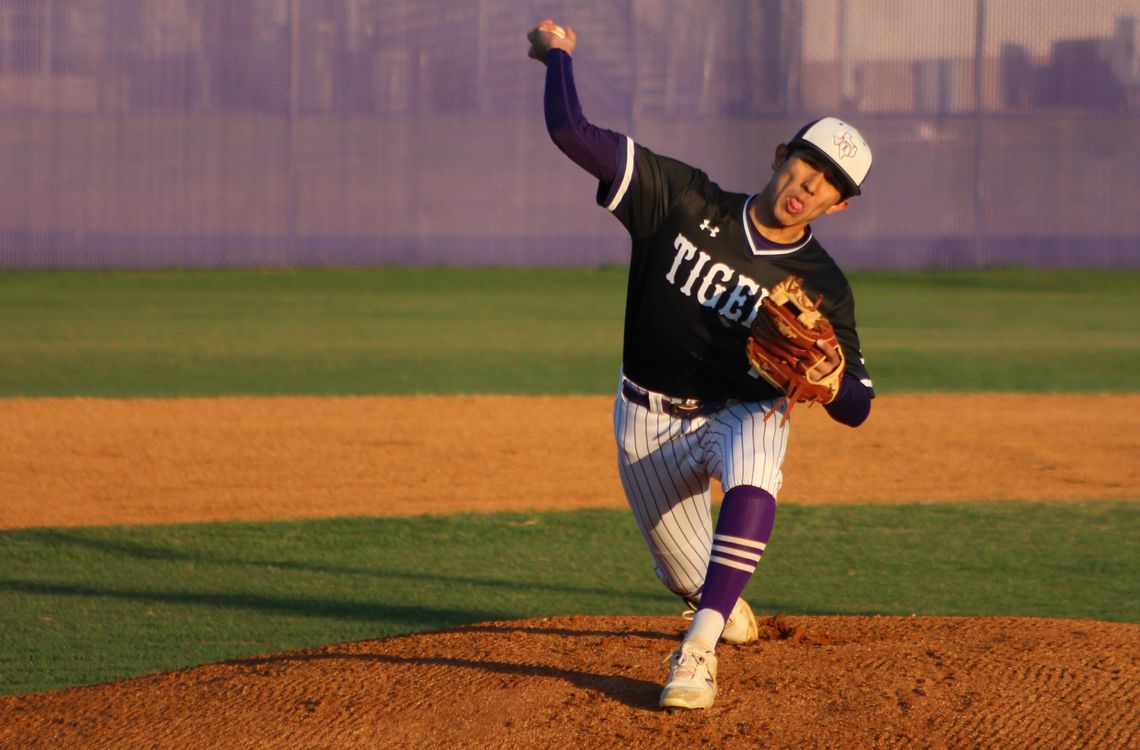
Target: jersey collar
(761, 246)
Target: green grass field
(399, 331)
(84, 605)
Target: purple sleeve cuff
(595, 149)
(853, 402)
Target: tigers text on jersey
(698, 273)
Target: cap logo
(846, 144)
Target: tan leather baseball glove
(793, 346)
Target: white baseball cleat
(739, 629)
(741, 626)
(692, 679)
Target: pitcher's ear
(840, 206)
(780, 156)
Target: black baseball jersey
(697, 274)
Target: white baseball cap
(842, 145)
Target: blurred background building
(189, 132)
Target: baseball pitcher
(734, 314)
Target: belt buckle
(687, 408)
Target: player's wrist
(852, 403)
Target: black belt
(681, 408)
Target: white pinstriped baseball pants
(666, 465)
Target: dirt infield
(70, 462)
(837, 682)
(580, 681)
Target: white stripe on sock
(738, 552)
(732, 563)
(741, 541)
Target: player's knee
(681, 585)
(748, 510)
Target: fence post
(979, 131)
(291, 121)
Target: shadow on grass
(395, 614)
(166, 554)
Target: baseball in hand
(547, 36)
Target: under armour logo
(706, 225)
(846, 145)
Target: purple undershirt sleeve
(852, 404)
(594, 149)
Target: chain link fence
(212, 133)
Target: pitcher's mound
(594, 682)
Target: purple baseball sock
(742, 530)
